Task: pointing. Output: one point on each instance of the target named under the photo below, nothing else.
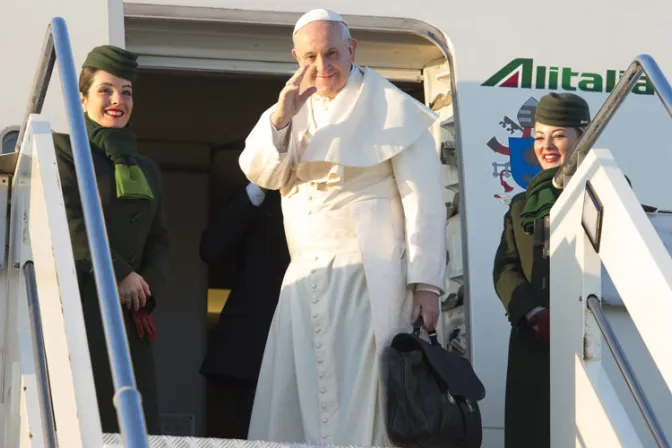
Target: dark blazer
(139, 241)
(255, 238)
(521, 281)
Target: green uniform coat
(521, 281)
(139, 241)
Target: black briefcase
(431, 395)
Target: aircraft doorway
(192, 116)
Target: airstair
(599, 229)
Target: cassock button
(314, 316)
(315, 300)
(323, 391)
(325, 437)
(314, 287)
(312, 271)
(324, 406)
(309, 212)
(325, 420)
(320, 361)
(317, 330)
(322, 376)
(319, 345)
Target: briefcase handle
(417, 328)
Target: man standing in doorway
(249, 231)
(364, 214)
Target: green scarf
(120, 146)
(539, 199)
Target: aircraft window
(9, 137)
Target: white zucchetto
(317, 15)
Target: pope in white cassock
(364, 215)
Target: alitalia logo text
(521, 73)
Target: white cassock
(365, 223)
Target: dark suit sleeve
(511, 285)
(224, 237)
(75, 215)
(156, 253)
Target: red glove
(542, 324)
(144, 324)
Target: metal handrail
(627, 371)
(41, 371)
(57, 49)
(643, 64)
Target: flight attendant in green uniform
(132, 198)
(521, 271)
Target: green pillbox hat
(563, 109)
(114, 60)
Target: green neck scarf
(120, 146)
(539, 199)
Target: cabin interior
(201, 89)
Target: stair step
(114, 441)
